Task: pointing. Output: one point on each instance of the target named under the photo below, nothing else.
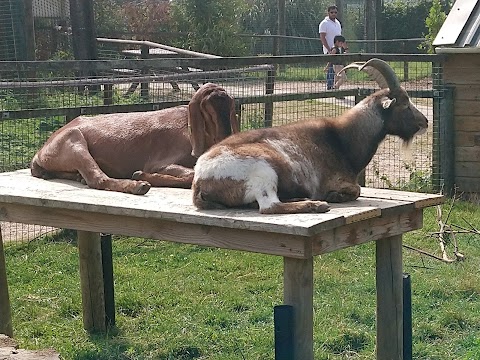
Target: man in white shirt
(328, 29)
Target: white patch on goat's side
(303, 171)
(260, 179)
(224, 165)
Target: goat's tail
(201, 201)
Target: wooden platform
(168, 214)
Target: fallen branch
(428, 254)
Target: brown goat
(130, 152)
(295, 168)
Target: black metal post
(107, 264)
(407, 318)
(283, 320)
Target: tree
(434, 21)
(212, 26)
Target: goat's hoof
(137, 175)
(319, 207)
(142, 188)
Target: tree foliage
(399, 13)
(434, 21)
(211, 26)
(151, 16)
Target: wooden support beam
(91, 279)
(298, 292)
(5, 312)
(389, 298)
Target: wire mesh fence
(38, 98)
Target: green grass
(416, 71)
(178, 301)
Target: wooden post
(91, 279)
(444, 143)
(144, 86)
(298, 292)
(279, 45)
(389, 298)
(5, 312)
(269, 89)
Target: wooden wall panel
(467, 138)
(468, 184)
(467, 108)
(467, 123)
(467, 92)
(462, 71)
(468, 169)
(471, 153)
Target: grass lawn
(188, 302)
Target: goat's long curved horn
(379, 71)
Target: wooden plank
(466, 107)
(225, 238)
(91, 279)
(159, 203)
(468, 169)
(467, 92)
(467, 184)
(5, 310)
(368, 230)
(420, 200)
(466, 123)
(389, 298)
(462, 75)
(467, 59)
(298, 292)
(468, 138)
(467, 153)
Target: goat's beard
(407, 154)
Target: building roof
(461, 29)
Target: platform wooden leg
(298, 292)
(91, 279)
(389, 298)
(5, 311)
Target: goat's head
(401, 116)
(211, 117)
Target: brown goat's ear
(233, 118)
(196, 120)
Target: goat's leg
(346, 192)
(269, 203)
(68, 153)
(296, 207)
(169, 176)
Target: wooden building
(459, 41)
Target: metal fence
(36, 98)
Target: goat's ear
(233, 118)
(196, 125)
(386, 102)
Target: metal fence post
(283, 320)
(407, 318)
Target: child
(339, 47)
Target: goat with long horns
(299, 167)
